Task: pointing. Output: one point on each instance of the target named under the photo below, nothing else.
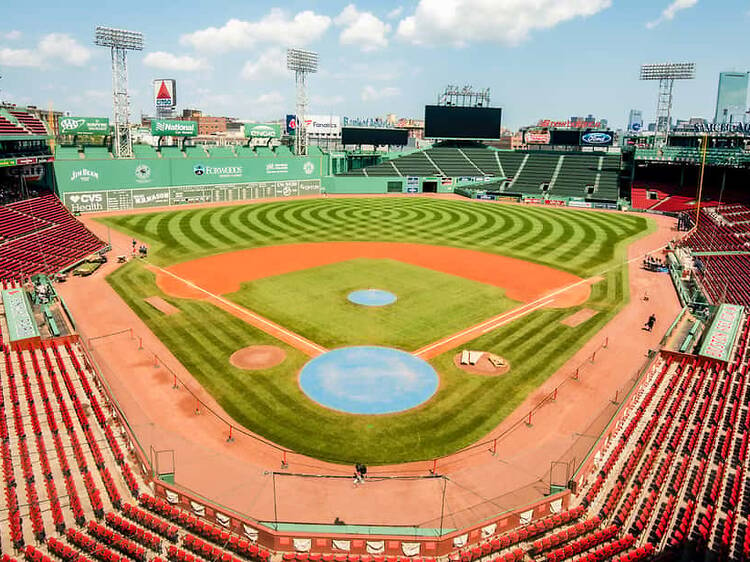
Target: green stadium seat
(171, 152)
(97, 153)
(144, 151)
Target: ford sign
(596, 138)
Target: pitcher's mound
(487, 364)
(256, 357)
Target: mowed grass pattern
(429, 304)
(466, 407)
(571, 240)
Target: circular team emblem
(308, 168)
(142, 172)
(199, 170)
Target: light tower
(666, 74)
(302, 63)
(120, 41)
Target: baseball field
(294, 262)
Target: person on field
(650, 323)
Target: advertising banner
(597, 138)
(142, 198)
(83, 126)
(290, 124)
(580, 204)
(323, 125)
(262, 130)
(173, 128)
(165, 93)
(536, 136)
(719, 340)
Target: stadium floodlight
(666, 73)
(301, 63)
(120, 41)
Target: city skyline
(378, 58)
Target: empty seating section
(570, 174)
(195, 152)
(575, 175)
(9, 128)
(171, 152)
(96, 153)
(536, 170)
(34, 125)
(454, 163)
(67, 153)
(144, 151)
(14, 224)
(220, 151)
(49, 238)
(673, 475)
(646, 195)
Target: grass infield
(466, 407)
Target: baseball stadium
(278, 351)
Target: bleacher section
(97, 153)
(17, 122)
(144, 151)
(674, 474)
(580, 175)
(41, 236)
(722, 243)
(171, 152)
(31, 123)
(220, 151)
(195, 152)
(67, 153)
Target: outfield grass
(270, 402)
(430, 304)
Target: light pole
(301, 63)
(120, 41)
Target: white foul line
(245, 311)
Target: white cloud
(510, 22)
(61, 47)
(371, 93)
(362, 29)
(58, 48)
(270, 64)
(270, 98)
(326, 101)
(671, 11)
(169, 61)
(395, 12)
(11, 35)
(274, 28)
(19, 57)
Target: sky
(541, 59)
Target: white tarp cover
(222, 519)
(338, 544)
(410, 548)
(250, 533)
(375, 547)
(460, 541)
(555, 506)
(526, 517)
(302, 545)
(198, 509)
(489, 530)
(172, 497)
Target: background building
(731, 99)
(635, 120)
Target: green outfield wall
(120, 184)
(389, 184)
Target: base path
(224, 273)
